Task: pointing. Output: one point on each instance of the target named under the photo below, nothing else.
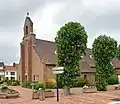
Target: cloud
(97, 16)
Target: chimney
(14, 64)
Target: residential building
(11, 72)
(8, 72)
(2, 71)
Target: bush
(4, 88)
(14, 83)
(26, 84)
(1, 81)
(113, 80)
(39, 85)
(51, 84)
(11, 91)
(9, 82)
(79, 82)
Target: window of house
(19, 77)
(36, 77)
(6, 73)
(12, 78)
(12, 73)
(26, 29)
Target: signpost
(32, 84)
(57, 71)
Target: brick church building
(38, 58)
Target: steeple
(28, 25)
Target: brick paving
(78, 98)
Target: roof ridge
(46, 40)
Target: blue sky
(97, 16)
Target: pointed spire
(28, 20)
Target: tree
(71, 42)
(103, 50)
(118, 52)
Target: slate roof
(46, 51)
(28, 21)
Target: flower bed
(5, 92)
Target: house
(38, 58)
(8, 72)
(11, 72)
(2, 71)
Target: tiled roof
(46, 51)
(2, 70)
(10, 68)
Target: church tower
(26, 49)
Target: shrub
(14, 84)
(1, 81)
(39, 85)
(26, 84)
(51, 84)
(79, 82)
(11, 91)
(113, 80)
(4, 88)
(9, 82)
(17, 82)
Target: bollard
(41, 94)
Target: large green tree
(118, 52)
(103, 50)
(71, 43)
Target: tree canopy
(118, 52)
(71, 42)
(103, 50)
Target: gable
(46, 51)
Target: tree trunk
(66, 90)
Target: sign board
(58, 70)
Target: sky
(99, 17)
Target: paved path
(78, 98)
(26, 98)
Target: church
(37, 58)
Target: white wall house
(8, 72)
(11, 72)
